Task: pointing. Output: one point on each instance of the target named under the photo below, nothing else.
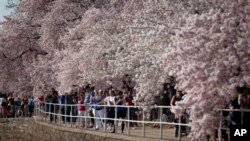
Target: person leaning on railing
(41, 101)
(74, 107)
(10, 101)
(17, 105)
(121, 111)
(175, 98)
(129, 102)
(96, 109)
(110, 100)
(62, 100)
(87, 96)
(24, 106)
(31, 105)
(52, 100)
(4, 105)
(69, 102)
(81, 110)
(1, 107)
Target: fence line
(41, 110)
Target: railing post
(65, 113)
(54, 112)
(188, 116)
(220, 133)
(38, 109)
(161, 122)
(34, 110)
(36, 105)
(85, 116)
(60, 114)
(50, 116)
(45, 111)
(242, 117)
(94, 116)
(79, 117)
(129, 121)
(37, 112)
(34, 114)
(179, 129)
(143, 123)
(71, 114)
(105, 115)
(115, 120)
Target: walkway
(151, 134)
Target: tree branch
(25, 52)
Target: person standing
(62, 107)
(3, 107)
(129, 102)
(74, 107)
(24, 106)
(69, 102)
(87, 96)
(97, 110)
(49, 106)
(177, 97)
(110, 100)
(55, 103)
(31, 105)
(121, 111)
(244, 103)
(81, 110)
(17, 105)
(234, 116)
(11, 105)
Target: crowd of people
(15, 106)
(110, 103)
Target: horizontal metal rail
(57, 107)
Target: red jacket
(81, 107)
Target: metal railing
(13, 112)
(225, 113)
(55, 112)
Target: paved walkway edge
(97, 133)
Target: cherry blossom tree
(17, 41)
(20, 49)
(209, 57)
(60, 43)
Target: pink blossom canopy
(204, 44)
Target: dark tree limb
(38, 52)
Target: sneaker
(97, 127)
(109, 128)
